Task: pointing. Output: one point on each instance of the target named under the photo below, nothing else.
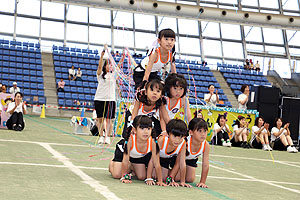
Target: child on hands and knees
(240, 133)
(172, 153)
(138, 148)
(196, 146)
(260, 135)
(282, 136)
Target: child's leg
(164, 172)
(289, 140)
(100, 125)
(190, 174)
(283, 140)
(140, 171)
(115, 168)
(244, 135)
(266, 138)
(238, 138)
(109, 127)
(262, 138)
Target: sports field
(46, 161)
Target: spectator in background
(0, 87)
(14, 89)
(72, 74)
(198, 114)
(3, 89)
(61, 85)
(247, 64)
(204, 63)
(260, 135)
(211, 99)
(17, 109)
(117, 53)
(257, 66)
(251, 67)
(78, 75)
(243, 98)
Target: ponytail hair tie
(126, 142)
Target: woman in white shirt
(221, 130)
(240, 133)
(105, 97)
(243, 98)
(211, 99)
(260, 135)
(78, 75)
(16, 109)
(282, 136)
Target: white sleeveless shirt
(163, 151)
(134, 152)
(173, 111)
(200, 151)
(153, 112)
(159, 64)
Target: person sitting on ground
(221, 130)
(281, 137)
(240, 133)
(211, 99)
(16, 109)
(14, 89)
(260, 135)
(199, 114)
(61, 85)
(72, 73)
(78, 75)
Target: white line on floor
(58, 144)
(258, 159)
(255, 179)
(106, 169)
(103, 190)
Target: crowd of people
(249, 65)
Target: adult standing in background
(243, 98)
(211, 99)
(14, 89)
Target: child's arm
(125, 162)
(173, 68)
(205, 167)
(155, 158)
(152, 58)
(183, 167)
(135, 109)
(187, 109)
(164, 119)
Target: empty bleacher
(236, 76)
(21, 62)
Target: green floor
(29, 171)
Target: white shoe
(269, 148)
(290, 149)
(101, 140)
(295, 150)
(107, 140)
(265, 148)
(228, 144)
(224, 144)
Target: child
(260, 135)
(161, 58)
(196, 146)
(240, 133)
(282, 136)
(176, 87)
(221, 130)
(150, 103)
(17, 109)
(172, 152)
(139, 149)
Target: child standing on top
(160, 59)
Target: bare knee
(141, 176)
(190, 179)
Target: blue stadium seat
(39, 73)
(80, 90)
(5, 77)
(81, 97)
(68, 95)
(61, 102)
(87, 91)
(33, 86)
(27, 92)
(69, 103)
(74, 89)
(27, 98)
(40, 86)
(67, 89)
(75, 96)
(42, 100)
(33, 79)
(41, 93)
(19, 71)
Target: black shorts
(118, 157)
(255, 144)
(143, 160)
(234, 143)
(168, 163)
(106, 109)
(278, 145)
(139, 75)
(192, 162)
